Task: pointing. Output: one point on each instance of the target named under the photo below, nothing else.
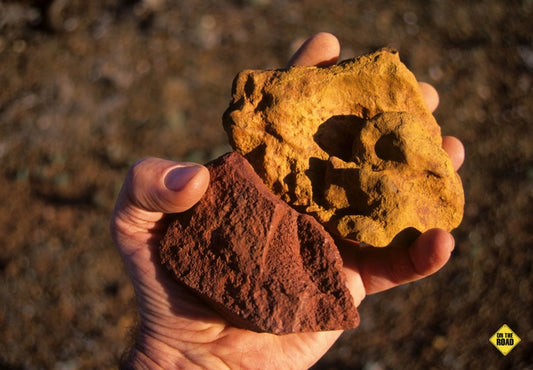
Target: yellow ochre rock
(354, 145)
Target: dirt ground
(89, 87)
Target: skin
(176, 330)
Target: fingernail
(452, 241)
(180, 176)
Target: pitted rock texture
(255, 260)
(354, 145)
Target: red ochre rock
(255, 260)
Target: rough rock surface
(259, 263)
(354, 145)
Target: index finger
(321, 50)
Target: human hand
(178, 330)
(372, 270)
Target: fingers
(319, 50)
(455, 150)
(450, 144)
(430, 95)
(384, 268)
(157, 185)
(430, 252)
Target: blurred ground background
(88, 87)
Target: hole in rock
(265, 102)
(336, 135)
(249, 86)
(388, 148)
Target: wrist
(136, 359)
(150, 353)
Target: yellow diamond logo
(504, 339)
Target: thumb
(162, 186)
